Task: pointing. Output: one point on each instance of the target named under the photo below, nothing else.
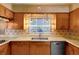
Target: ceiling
(41, 3)
(29, 6)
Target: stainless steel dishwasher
(57, 47)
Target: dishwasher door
(57, 48)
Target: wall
(40, 8)
(36, 9)
(74, 12)
(74, 15)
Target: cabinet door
(69, 49)
(74, 20)
(5, 49)
(40, 48)
(62, 21)
(9, 14)
(76, 50)
(2, 11)
(19, 48)
(19, 18)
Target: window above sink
(39, 23)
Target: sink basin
(2, 41)
(39, 38)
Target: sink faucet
(39, 35)
(40, 31)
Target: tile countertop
(29, 38)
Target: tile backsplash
(2, 31)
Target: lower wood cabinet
(30, 48)
(19, 48)
(76, 52)
(5, 49)
(71, 49)
(39, 48)
(33, 48)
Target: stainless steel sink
(39, 38)
(2, 41)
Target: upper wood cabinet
(5, 12)
(9, 14)
(74, 20)
(19, 19)
(62, 21)
(2, 10)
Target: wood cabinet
(2, 10)
(30, 48)
(39, 48)
(62, 21)
(76, 50)
(9, 14)
(19, 19)
(74, 20)
(5, 12)
(19, 48)
(71, 49)
(5, 49)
